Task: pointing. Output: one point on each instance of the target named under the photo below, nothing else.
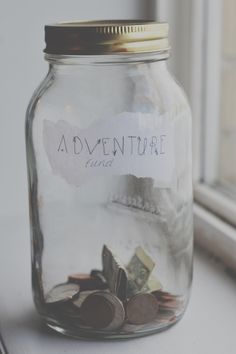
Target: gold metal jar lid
(106, 37)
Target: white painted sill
(208, 325)
(214, 219)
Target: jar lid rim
(104, 37)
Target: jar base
(93, 335)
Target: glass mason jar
(108, 135)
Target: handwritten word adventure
(107, 146)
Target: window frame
(214, 211)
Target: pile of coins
(114, 297)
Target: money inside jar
(116, 298)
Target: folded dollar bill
(139, 268)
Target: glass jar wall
(109, 161)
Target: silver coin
(119, 312)
(102, 310)
(62, 293)
(83, 295)
(96, 311)
(141, 309)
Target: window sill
(23, 332)
(215, 200)
(215, 235)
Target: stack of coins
(168, 304)
(111, 300)
(59, 300)
(167, 301)
(102, 310)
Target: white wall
(22, 67)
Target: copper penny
(142, 308)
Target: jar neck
(73, 60)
